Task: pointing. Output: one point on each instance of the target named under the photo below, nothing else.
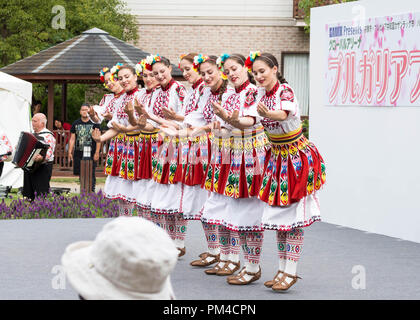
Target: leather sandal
(239, 279)
(270, 283)
(181, 251)
(216, 268)
(282, 285)
(226, 271)
(203, 262)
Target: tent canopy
(15, 97)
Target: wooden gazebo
(77, 60)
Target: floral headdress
(251, 58)
(199, 59)
(220, 62)
(102, 73)
(114, 71)
(140, 67)
(180, 59)
(151, 60)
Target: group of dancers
(228, 151)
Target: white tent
(15, 114)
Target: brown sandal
(282, 285)
(270, 283)
(226, 271)
(203, 261)
(216, 268)
(239, 279)
(181, 251)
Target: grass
(99, 180)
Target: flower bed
(51, 206)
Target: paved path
(30, 250)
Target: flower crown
(140, 67)
(114, 71)
(102, 74)
(180, 59)
(220, 62)
(151, 60)
(199, 59)
(251, 58)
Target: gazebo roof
(80, 58)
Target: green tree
(30, 26)
(26, 26)
(306, 5)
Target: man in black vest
(38, 181)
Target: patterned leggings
(125, 208)
(229, 241)
(290, 244)
(174, 224)
(251, 246)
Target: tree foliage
(306, 5)
(29, 26)
(26, 26)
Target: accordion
(28, 147)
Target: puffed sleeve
(287, 99)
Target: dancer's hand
(96, 135)
(219, 111)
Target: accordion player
(29, 146)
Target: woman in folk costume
(143, 187)
(201, 121)
(106, 106)
(122, 159)
(111, 102)
(234, 175)
(295, 170)
(166, 201)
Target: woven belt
(286, 138)
(132, 133)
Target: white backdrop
(15, 104)
(371, 153)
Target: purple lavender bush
(51, 206)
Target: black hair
(239, 58)
(272, 62)
(165, 61)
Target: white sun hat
(130, 258)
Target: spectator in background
(81, 137)
(61, 126)
(36, 107)
(5, 148)
(130, 259)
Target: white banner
(374, 61)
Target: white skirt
(297, 215)
(243, 214)
(166, 198)
(193, 199)
(143, 190)
(119, 188)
